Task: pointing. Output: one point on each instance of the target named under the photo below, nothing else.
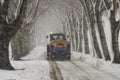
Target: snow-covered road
(76, 70)
(36, 67)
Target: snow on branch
(1, 1)
(13, 10)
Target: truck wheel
(47, 52)
(47, 57)
(69, 58)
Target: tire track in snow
(70, 72)
(85, 73)
(55, 73)
(112, 77)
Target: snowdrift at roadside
(106, 66)
(36, 53)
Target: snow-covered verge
(33, 67)
(27, 70)
(106, 66)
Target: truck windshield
(57, 37)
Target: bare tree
(8, 30)
(115, 27)
(85, 31)
(22, 40)
(91, 16)
(99, 8)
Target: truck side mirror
(47, 36)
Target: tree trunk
(4, 45)
(96, 45)
(72, 40)
(4, 38)
(80, 38)
(115, 27)
(92, 25)
(4, 57)
(102, 35)
(76, 38)
(115, 46)
(85, 30)
(7, 31)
